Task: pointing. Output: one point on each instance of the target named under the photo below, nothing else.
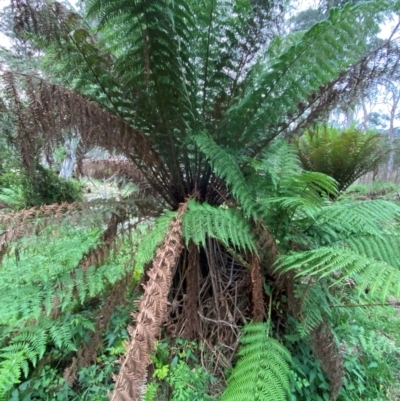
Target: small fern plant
(262, 372)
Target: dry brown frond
(41, 18)
(87, 353)
(110, 167)
(382, 62)
(55, 211)
(130, 383)
(45, 110)
(17, 225)
(328, 352)
(70, 372)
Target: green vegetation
(232, 255)
(322, 149)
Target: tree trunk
(67, 166)
(349, 117)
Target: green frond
(149, 243)
(42, 277)
(281, 174)
(203, 220)
(317, 304)
(342, 220)
(279, 162)
(12, 361)
(380, 278)
(226, 167)
(28, 346)
(297, 72)
(262, 372)
(384, 247)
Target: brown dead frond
(31, 222)
(98, 255)
(266, 246)
(222, 285)
(42, 18)
(55, 211)
(130, 383)
(328, 352)
(46, 111)
(70, 372)
(87, 353)
(111, 167)
(350, 85)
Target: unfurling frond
(262, 372)
(203, 220)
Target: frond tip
(262, 372)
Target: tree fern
(322, 149)
(262, 372)
(186, 91)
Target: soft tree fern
(195, 97)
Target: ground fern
(262, 372)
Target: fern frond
(297, 72)
(262, 372)
(315, 304)
(340, 263)
(203, 220)
(131, 380)
(149, 243)
(226, 167)
(342, 220)
(384, 247)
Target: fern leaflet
(203, 220)
(262, 372)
